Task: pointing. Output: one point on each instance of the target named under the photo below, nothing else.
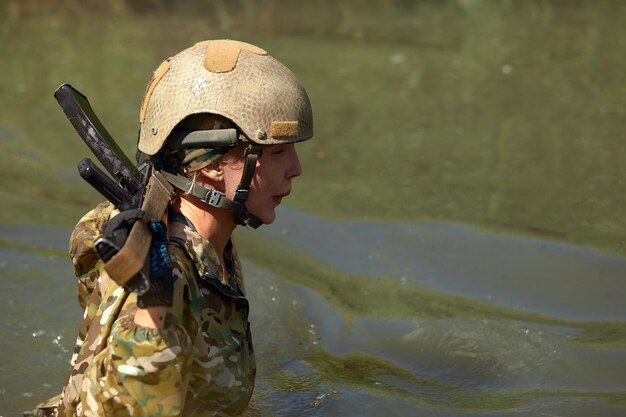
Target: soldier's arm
(151, 317)
(145, 369)
(143, 372)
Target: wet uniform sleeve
(141, 371)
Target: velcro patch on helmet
(156, 77)
(222, 55)
(284, 129)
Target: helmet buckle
(213, 198)
(241, 195)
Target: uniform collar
(206, 257)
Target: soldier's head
(228, 113)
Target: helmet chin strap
(218, 199)
(242, 216)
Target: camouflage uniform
(201, 363)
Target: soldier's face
(275, 170)
(273, 174)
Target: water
(455, 246)
(526, 273)
(519, 355)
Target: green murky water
(456, 244)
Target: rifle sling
(132, 257)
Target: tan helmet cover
(233, 79)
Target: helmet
(239, 82)
(232, 79)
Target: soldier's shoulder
(83, 257)
(89, 227)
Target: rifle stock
(79, 112)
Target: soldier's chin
(267, 217)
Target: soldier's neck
(213, 224)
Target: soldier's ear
(213, 172)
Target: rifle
(127, 188)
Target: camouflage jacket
(201, 363)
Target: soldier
(191, 355)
